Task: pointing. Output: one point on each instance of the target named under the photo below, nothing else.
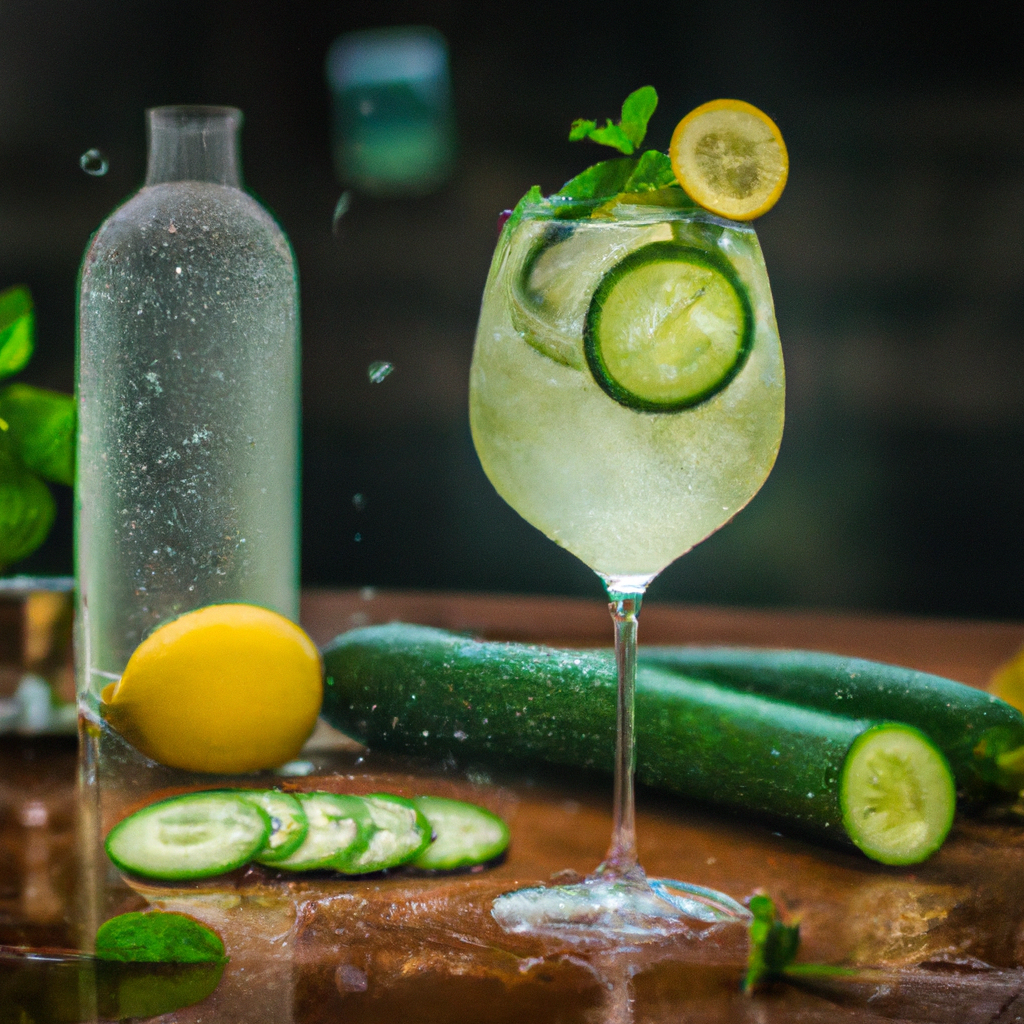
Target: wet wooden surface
(943, 941)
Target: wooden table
(943, 941)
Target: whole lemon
(228, 688)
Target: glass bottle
(188, 395)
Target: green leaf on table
(41, 430)
(627, 135)
(27, 508)
(158, 937)
(773, 944)
(17, 324)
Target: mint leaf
(17, 323)
(41, 430)
(533, 196)
(627, 135)
(653, 171)
(27, 508)
(604, 179)
(637, 109)
(158, 937)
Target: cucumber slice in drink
(896, 794)
(288, 823)
(401, 833)
(550, 292)
(191, 836)
(668, 327)
(464, 834)
(339, 829)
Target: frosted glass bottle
(188, 391)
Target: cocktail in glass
(627, 399)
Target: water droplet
(340, 209)
(358, 537)
(93, 162)
(378, 370)
(359, 502)
(460, 735)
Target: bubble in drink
(93, 162)
(378, 370)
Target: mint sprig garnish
(37, 437)
(627, 134)
(633, 174)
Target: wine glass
(627, 399)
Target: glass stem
(624, 602)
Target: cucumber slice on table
(668, 327)
(288, 823)
(340, 828)
(400, 833)
(897, 794)
(464, 834)
(191, 836)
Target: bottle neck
(194, 144)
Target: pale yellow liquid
(627, 492)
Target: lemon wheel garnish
(228, 688)
(668, 327)
(729, 157)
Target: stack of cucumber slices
(203, 834)
(661, 330)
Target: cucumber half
(464, 834)
(340, 828)
(193, 836)
(896, 794)
(668, 327)
(401, 832)
(288, 823)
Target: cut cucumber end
(464, 834)
(897, 794)
(668, 327)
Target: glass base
(632, 908)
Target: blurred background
(895, 256)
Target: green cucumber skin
(422, 691)
(970, 726)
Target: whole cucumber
(979, 734)
(417, 690)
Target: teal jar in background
(393, 129)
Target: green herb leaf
(604, 179)
(158, 937)
(653, 171)
(773, 945)
(637, 109)
(627, 135)
(17, 324)
(27, 508)
(41, 430)
(533, 196)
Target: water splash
(342, 207)
(93, 162)
(378, 370)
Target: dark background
(895, 257)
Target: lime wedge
(668, 327)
